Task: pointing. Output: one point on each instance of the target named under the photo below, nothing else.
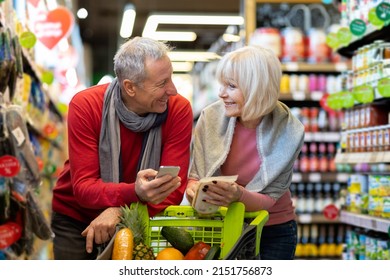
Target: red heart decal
(34, 2)
(57, 24)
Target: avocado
(178, 237)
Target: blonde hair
(256, 71)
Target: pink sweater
(242, 161)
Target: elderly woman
(249, 133)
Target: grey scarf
(114, 110)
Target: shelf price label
(383, 11)
(358, 27)
(315, 177)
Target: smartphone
(171, 170)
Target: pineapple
(132, 219)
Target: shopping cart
(237, 232)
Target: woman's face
(233, 98)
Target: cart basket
(226, 228)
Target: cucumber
(179, 238)
(213, 253)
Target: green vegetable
(213, 253)
(179, 238)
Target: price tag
(383, 11)
(316, 95)
(315, 177)
(305, 218)
(342, 177)
(358, 27)
(19, 136)
(309, 137)
(341, 66)
(331, 137)
(297, 177)
(292, 66)
(298, 95)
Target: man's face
(152, 95)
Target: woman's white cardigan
(279, 141)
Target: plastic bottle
(313, 158)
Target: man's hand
(102, 228)
(155, 190)
(191, 189)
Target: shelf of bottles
(320, 241)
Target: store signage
(9, 166)
(34, 2)
(364, 94)
(331, 212)
(358, 27)
(344, 36)
(332, 40)
(384, 87)
(54, 25)
(373, 18)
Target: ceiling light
(231, 34)
(174, 36)
(192, 56)
(82, 13)
(150, 29)
(182, 66)
(128, 21)
(195, 19)
(231, 38)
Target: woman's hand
(223, 193)
(102, 228)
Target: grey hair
(257, 72)
(129, 61)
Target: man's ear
(129, 87)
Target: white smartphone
(171, 170)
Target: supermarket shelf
(322, 136)
(316, 177)
(365, 221)
(301, 96)
(372, 34)
(318, 67)
(367, 157)
(315, 219)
